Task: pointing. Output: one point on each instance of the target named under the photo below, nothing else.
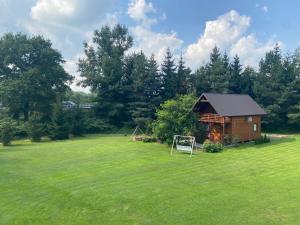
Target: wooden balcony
(213, 118)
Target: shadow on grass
(274, 142)
(15, 147)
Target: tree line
(129, 87)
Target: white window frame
(255, 127)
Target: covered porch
(218, 127)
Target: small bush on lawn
(59, 129)
(212, 147)
(7, 131)
(35, 128)
(262, 140)
(149, 139)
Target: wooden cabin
(229, 117)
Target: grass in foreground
(111, 180)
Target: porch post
(223, 136)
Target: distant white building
(86, 105)
(70, 105)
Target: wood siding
(239, 128)
(244, 129)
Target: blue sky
(191, 27)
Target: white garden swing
(183, 144)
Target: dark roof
(231, 104)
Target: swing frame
(133, 135)
(183, 148)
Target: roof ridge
(212, 93)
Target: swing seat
(184, 148)
(183, 143)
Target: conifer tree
(183, 77)
(168, 71)
(59, 128)
(235, 82)
(214, 76)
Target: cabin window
(255, 127)
(249, 119)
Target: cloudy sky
(191, 27)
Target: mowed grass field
(108, 179)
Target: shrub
(212, 147)
(20, 130)
(77, 122)
(94, 125)
(149, 139)
(7, 131)
(35, 128)
(262, 140)
(59, 128)
(175, 117)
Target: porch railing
(214, 118)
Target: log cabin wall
(246, 129)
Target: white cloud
(263, 8)
(72, 12)
(145, 38)
(67, 23)
(49, 10)
(228, 33)
(250, 50)
(156, 43)
(138, 10)
(223, 31)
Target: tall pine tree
(235, 82)
(183, 77)
(169, 76)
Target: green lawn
(107, 179)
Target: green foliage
(143, 89)
(32, 74)
(77, 122)
(128, 88)
(35, 128)
(175, 117)
(79, 97)
(212, 147)
(262, 140)
(59, 127)
(20, 129)
(214, 76)
(169, 76)
(294, 116)
(183, 78)
(102, 69)
(7, 131)
(149, 139)
(94, 125)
